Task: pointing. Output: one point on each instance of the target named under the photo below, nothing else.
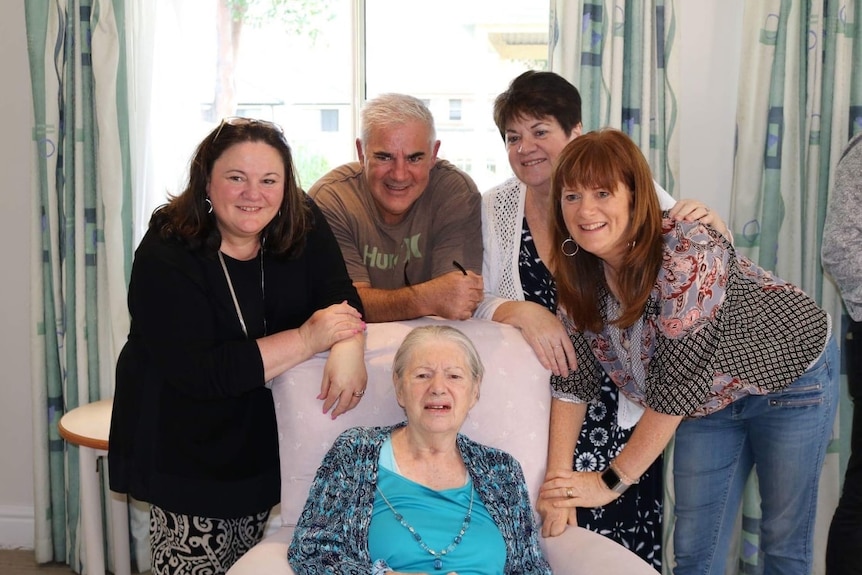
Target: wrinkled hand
(565, 491)
(547, 336)
(457, 295)
(344, 376)
(555, 520)
(690, 210)
(330, 325)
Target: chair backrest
(512, 412)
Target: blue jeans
(784, 435)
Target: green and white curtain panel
(799, 102)
(622, 57)
(82, 229)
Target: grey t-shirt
(842, 233)
(444, 224)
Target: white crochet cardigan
(502, 214)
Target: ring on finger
(358, 393)
(569, 492)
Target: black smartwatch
(613, 481)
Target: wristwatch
(613, 481)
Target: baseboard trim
(17, 527)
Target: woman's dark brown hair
(540, 95)
(602, 159)
(185, 217)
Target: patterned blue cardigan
(332, 533)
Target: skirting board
(17, 526)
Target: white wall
(16, 437)
(710, 30)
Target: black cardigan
(193, 428)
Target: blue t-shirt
(437, 516)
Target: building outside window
(454, 109)
(328, 120)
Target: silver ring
(358, 393)
(569, 493)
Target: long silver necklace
(233, 293)
(437, 555)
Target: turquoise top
(437, 516)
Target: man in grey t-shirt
(408, 223)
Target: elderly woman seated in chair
(419, 497)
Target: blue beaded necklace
(438, 555)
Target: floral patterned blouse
(716, 328)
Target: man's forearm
(393, 305)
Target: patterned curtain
(800, 100)
(82, 240)
(621, 55)
(623, 58)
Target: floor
(23, 562)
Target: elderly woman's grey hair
(423, 334)
(394, 109)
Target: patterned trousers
(192, 545)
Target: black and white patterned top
(716, 328)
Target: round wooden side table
(87, 427)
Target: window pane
(293, 68)
(457, 56)
(305, 64)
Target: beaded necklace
(438, 555)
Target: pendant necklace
(438, 555)
(233, 293)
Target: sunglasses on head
(240, 121)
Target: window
(299, 69)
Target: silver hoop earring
(563, 247)
(209, 206)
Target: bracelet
(623, 476)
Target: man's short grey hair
(393, 109)
(423, 334)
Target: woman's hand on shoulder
(690, 210)
(544, 332)
(330, 325)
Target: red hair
(604, 159)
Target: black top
(536, 280)
(193, 428)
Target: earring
(563, 247)
(209, 206)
